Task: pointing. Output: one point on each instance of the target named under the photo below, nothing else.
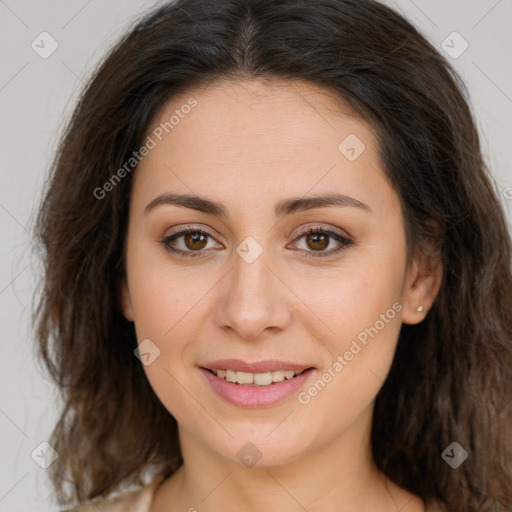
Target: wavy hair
(450, 380)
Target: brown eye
(195, 240)
(188, 243)
(317, 241)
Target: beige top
(136, 501)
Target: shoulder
(135, 501)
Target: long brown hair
(451, 376)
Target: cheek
(364, 291)
(160, 294)
(163, 302)
(361, 307)
(156, 302)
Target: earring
(419, 309)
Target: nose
(254, 299)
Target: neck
(341, 476)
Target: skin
(250, 145)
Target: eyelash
(343, 240)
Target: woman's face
(250, 285)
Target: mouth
(256, 379)
(261, 384)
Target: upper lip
(257, 367)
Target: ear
(422, 285)
(125, 300)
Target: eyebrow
(285, 207)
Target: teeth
(278, 376)
(262, 379)
(245, 378)
(256, 379)
(230, 376)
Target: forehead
(276, 139)
(276, 116)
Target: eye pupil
(196, 238)
(319, 240)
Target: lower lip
(256, 396)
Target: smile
(268, 384)
(256, 379)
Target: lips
(238, 365)
(259, 384)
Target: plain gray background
(37, 95)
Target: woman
(277, 274)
